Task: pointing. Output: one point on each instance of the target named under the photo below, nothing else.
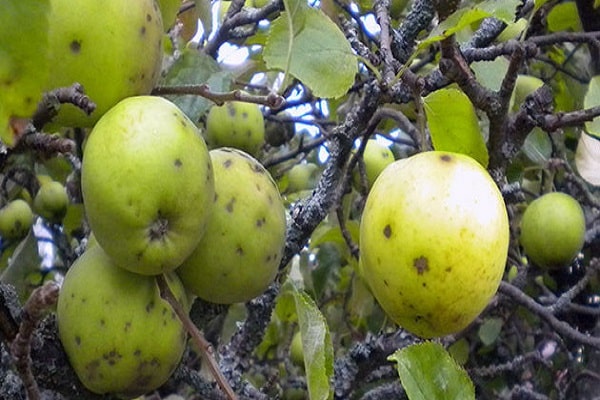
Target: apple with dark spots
(434, 241)
(239, 255)
(376, 157)
(236, 124)
(147, 184)
(16, 219)
(120, 336)
(113, 48)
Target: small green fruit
(16, 219)
(302, 177)
(113, 48)
(147, 184)
(296, 350)
(120, 336)
(376, 157)
(553, 230)
(236, 124)
(434, 241)
(51, 201)
(524, 86)
(239, 255)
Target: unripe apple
(147, 184)
(553, 230)
(120, 336)
(239, 255)
(51, 201)
(113, 48)
(302, 177)
(376, 157)
(16, 219)
(434, 241)
(524, 86)
(236, 124)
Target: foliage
(329, 76)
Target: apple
(120, 336)
(236, 124)
(302, 177)
(16, 219)
(51, 201)
(376, 157)
(113, 48)
(147, 184)
(524, 86)
(434, 240)
(553, 230)
(239, 255)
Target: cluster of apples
(159, 202)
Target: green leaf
(23, 60)
(25, 262)
(537, 146)
(592, 99)
(317, 347)
(490, 330)
(305, 43)
(453, 124)
(504, 10)
(195, 68)
(491, 73)
(428, 372)
(564, 17)
(537, 4)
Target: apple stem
(39, 301)
(196, 336)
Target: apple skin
(147, 184)
(302, 177)
(120, 336)
(553, 230)
(239, 255)
(51, 201)
(376, 157)
(16, 219)
(236, 124)
(434, 240)
(113, 48)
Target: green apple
(296, 350)
(524, 86)
(16, 219)
(376, 157)
(236, 124)
(147, 184)
(113, 48)
(434, 240)
(553, 230)
(120, 336)
(51, 201)
(239, 255)
(302, 177)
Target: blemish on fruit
(143, 30)
(127, 326)
(258, 169)
(102, 322)
(448, 269)
(260, 222)
(239, 251)
(385, 282)
(149, 306)
(137, 353)
(387, 231)
(229, 205)
(421, 264)
(446, 157)
(227, 163)
(78, 340)
(178, 163)
(159, 228)
(231, 109)
(148, 17)
(75, 46)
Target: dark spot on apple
(78, 340)
(92, 369)
(149, 306)
(229, 205)
(159, 228)
(446, 157)
(418, 318)
(244, 115)
(155, 362)
(258, 169)
(137, 353)
(260, 222)
(421, 264)
(148, 17)
(143, 30)
(385, 282)
(83, 299)
(268, 259)
(258, 188)
(215, 198)
(127, 326)
(387, 231)
(178, 163)
(227, 163)
(239, 251)
(72, 295)
(102, 322)
(75, 46)
(249, 133)
(231, 109)
(424, 284)
(449, 269)
(112, 357)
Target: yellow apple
(434, 241)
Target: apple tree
(215, 200)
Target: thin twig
(272, 100)
(39, 301)
(203, 345)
